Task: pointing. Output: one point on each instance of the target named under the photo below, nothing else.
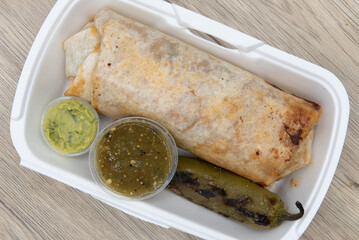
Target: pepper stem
(292, 217)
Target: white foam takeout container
(43, 79)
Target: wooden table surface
(325, 32)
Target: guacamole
(70, 126)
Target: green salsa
(70, 126)
(133, 159)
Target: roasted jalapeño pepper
(229, 194)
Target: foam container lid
(43, 79)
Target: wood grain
(325, 32)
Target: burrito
(213, 109)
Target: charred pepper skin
(230, 195)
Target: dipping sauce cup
(133, 158)
(69, 126)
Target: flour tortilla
(213, 109)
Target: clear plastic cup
(168, 140)
(87, 106)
